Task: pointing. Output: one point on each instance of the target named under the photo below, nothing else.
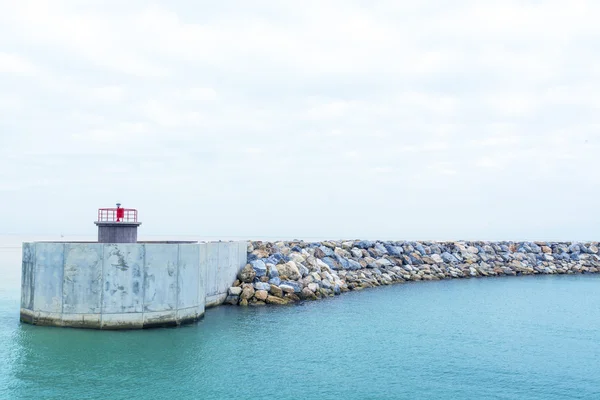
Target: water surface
(497, 338)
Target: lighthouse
(117, 225)
(120, 283)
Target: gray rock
(262, 286)
(261, 295)
(259, 267)
(272, 271)
(303, 270)
(290, 270)
(308, 294)
(343, 262)
(247, 274)
(356, 253)
(574, 248)
(325, 283)
(275, 281)
(394, 251)
(379, 249)
(276, 291)
(277, 258)
(365, 244)
(295, 285)
(384, 262)
(327, 251)
(330, 263)
(353, 265)
(419, 247)
(449, 258)
(437, 258)
(235, 291)
(247, 292)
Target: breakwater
(287, 272)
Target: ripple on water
(502, 338)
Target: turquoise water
(498, 338)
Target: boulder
(276, 291)
(308, 294)
(290, 287)
(272, 270)
(437, 258)
(247, 292)
(321, 266)
(303, 270)
(353, 265)
(328, 252)
(379, 249)
(290, 270)
(356, 253)
(259, 267)
(275, 281)
(262, 286)
(342, 262)
(365, 244)
(276, 300)
(261, 295)
(233, 300)
(247, 274)
(325, 283)
(384, 262)
(260, 253)
(393, 251)
(277, 258)
(319, 253)
(235, 291)
(449, 258)
(341, 252)
(297, 258)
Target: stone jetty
(287, 272)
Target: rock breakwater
(287, 272)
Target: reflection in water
(53, 361)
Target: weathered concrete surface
(230, 260)
(48, 270)
(125, 285)
(82, 281)
(189, 305)
(27, 277)
(122, 276)
(160, 277)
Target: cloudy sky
(321, 118)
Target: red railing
(117, 215)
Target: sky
(341, 119)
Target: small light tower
(117, 225)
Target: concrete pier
(125, 285)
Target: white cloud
(16, 65)
(266, 110)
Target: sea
(526, 338)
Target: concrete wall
(229, 258)
(125, 285)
